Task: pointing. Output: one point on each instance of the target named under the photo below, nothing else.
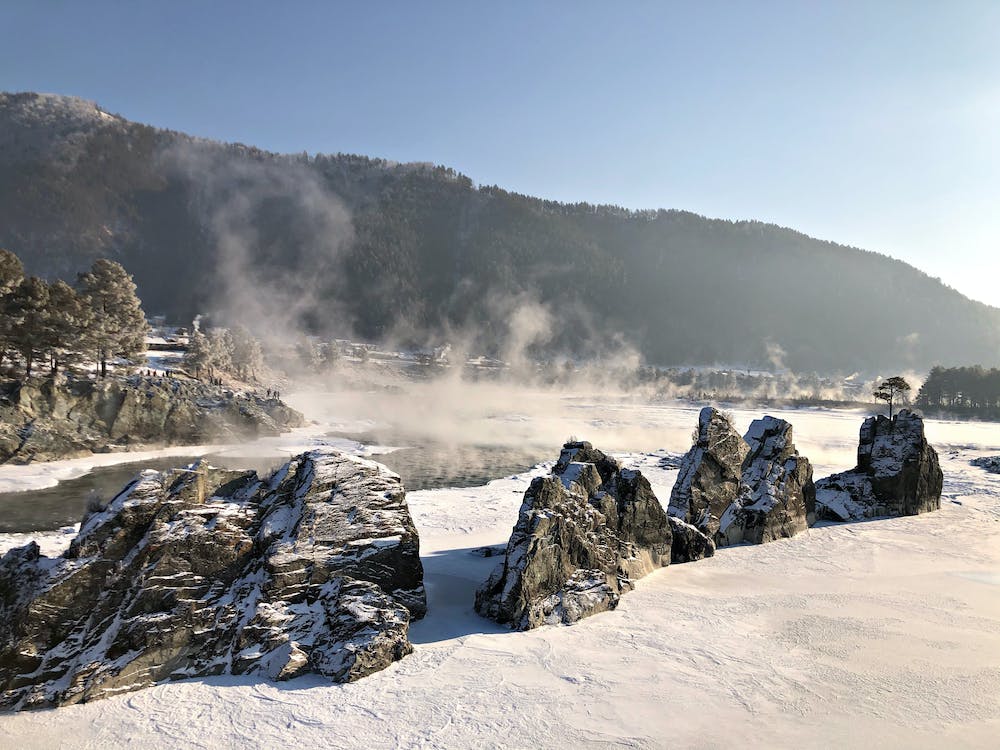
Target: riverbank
(66, 416)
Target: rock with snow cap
(898, 473)
(580, 451)
(710, 476)
(583, 535)
(777, 498)
(206, 572)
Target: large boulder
(582, 537)
(206, 572)
(898, 473)
(710, 477)
(777, 496)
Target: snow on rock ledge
(897, 474)
(207, 572)
(583, 535)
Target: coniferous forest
(418, 253)
(962, 391)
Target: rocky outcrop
(583, 535)
(56, 418)
(777, 498)
(897, 473)
(989, 463)
(207, 572)
(710, 476)
(754, 489)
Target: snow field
(883, 633)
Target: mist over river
(444, 434)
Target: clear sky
(875, 124)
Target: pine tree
(199, 353)
(221, 347)
(247, 355)
(11, 272)
(26, 315)
(65, 318)
(309, 355)
(118, 327)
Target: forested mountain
(353, 244)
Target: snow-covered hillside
(883, 633)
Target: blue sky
(875, 124)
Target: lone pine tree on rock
(892, 389)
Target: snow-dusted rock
(204, 572)
(897, 473)
(580, 451)
(777, 498)
(689, 543)
(583, 535)
(709, 480)
(990, 463)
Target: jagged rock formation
(777, 498)
(710, 473)
(733, 489)
(989, 463)
(206, 572)
(44, 420)
(583, 535)
(897, 473)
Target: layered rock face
(62, 418)
(710, 476)
(206, 572)
(897, 473)
(778, 497)
(583, 535)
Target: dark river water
(429, 466)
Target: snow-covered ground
(883, 634)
